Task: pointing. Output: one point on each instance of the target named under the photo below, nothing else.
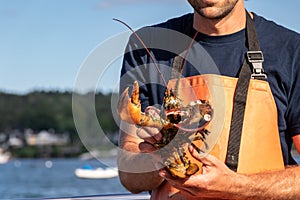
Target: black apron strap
(253, 60)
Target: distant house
(15, 139)
(44, 138)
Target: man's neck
(233, 22)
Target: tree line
(44, 110)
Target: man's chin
(213, 13)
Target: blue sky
(43, 43)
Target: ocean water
(53, 178)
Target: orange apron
(259, 148)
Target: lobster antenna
(146, 48)
(184, 61)
(187, 52)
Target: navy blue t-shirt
(222, 55)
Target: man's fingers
(152, 110)
(143, 134)
(206, 159)
(163, 173)
(149, 132)
(145, 147)
(154, 132)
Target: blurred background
(43, 44)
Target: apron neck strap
(253, 60)
(254, 55)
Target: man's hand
(216, 180)
(148, 134)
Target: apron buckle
(256, 58)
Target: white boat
(98, 173)
(4, 157)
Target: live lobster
(179, 124)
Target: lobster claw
(129, 110)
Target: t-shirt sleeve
(293, 108)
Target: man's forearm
(137, 173)
(137, 183)
(136, 169)
(279, 185)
